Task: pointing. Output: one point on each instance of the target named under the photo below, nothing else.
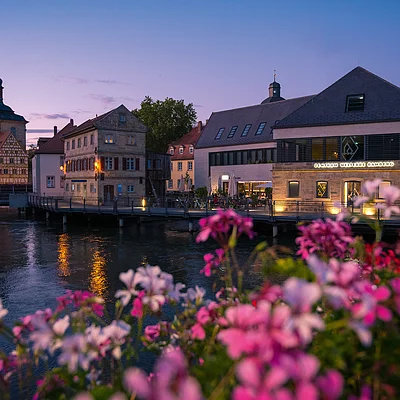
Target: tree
(166, 120)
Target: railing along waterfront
(269, 210)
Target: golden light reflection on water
(98, 282)
(63, 255)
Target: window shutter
(137, 166)
(116, 163)
(102, 163)
(123, 163)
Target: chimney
(71, 121)
(200, 126)
(55, 130)
(206, 121)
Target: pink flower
(212, 261)
(300, 294)
(73, 353)
(151, 332)
(137, 309)
(331, 385)
(390, 194)
(395, 283)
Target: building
(105, 158)
(236, 150)
(158, 172)
(11, 122)
(48, 176)
(13, 161)
(345, 135)
(182, 160)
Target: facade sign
(355, 164)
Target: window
(219, 134)
(109, 163)
(130, 164)
(355, 102)
(67, 145)
(352, 148)
(331, 149)
(11, 160)
(181, 150)
(171, 151)
(122, 118)
(131, 188)
(78, 187)
(131, 140)
(5, 171)
(294, 187)
(322, 190)
(190, 165)
(1, 160)
(170, 184)
(79, 143)
(246, 130)
(85, 141)
(232, 132)
(50, 181)
(179, 166)
(317, 146)
(92, 188)
(172, 166)
(191, 149)
(72, 187)
(109, 138)
(382, 185)
(73, 144)
(178, 183)
(67, 187)
(148, 164)
(260, 128)
(15, 171)
(91, 139)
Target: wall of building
(44, 165)
(176, 174)
(253, 172)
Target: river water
(39, 262)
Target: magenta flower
(213, 261)
(137, 309)
(152, 332)
(331, 385)
(395, 283)
(331, 238)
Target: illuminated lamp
(225, 177)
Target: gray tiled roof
(382, 102)
(240, 117)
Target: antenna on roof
(274, 74)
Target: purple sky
(75, 58)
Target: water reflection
(31, 242)
(98, 282)
(63, 252)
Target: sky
(62, 59)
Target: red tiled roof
(187, 140)
(55, 145)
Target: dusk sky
(75, 59)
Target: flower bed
(330, 331)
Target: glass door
(351, 190)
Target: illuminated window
(294, 189)
(109, 138)
(246, 130)
(322, 190)
(219, 134)
(355, 102)
(317, 149)
(382, 185)
(132, 140)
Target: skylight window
(246, 130)
(260, 128)
(355, 102)
(232, 131)
(219, 134)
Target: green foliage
(166, 121)
(201, 192)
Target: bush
(330, 331)
(201, 192)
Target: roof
(240, 117)
(93, 123)
(382, 102)
(190, 138)
(55, 145)
(7, 114)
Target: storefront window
(294, 189)
(322, 190)
(332, 148)
(352, 148)
(382, 185)
(317, 149)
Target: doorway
(108, 194)
(351, 190)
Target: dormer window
(219, 134)
(191, 149)
(181, 150)
(232, 132)
(260, 128)
(355, 102)
(246, 130)
(171, 151)
(122, 118)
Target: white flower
(197, 294)
(116, 332)
(130, 280)
(175, 292)
(73, 353)
(3, 311)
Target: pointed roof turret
(6, 112)
(274, 92)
